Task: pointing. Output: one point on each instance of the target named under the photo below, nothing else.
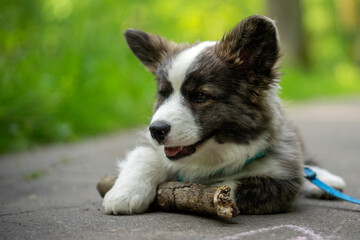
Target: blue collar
(260, 154)
(221, 172)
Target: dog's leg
(135, 188)
(265, 195)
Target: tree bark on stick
(172, 196)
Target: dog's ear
(151, 49)
(251, 47)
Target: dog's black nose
(159, 130)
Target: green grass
(66, 72)
(336, 81)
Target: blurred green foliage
(66, 72)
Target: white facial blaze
(182, 62)
(184, 131)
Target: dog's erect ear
(252, 46)
(149, 48)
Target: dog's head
(211, 90)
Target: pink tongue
(172, 151)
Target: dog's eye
(163, 94)
(200, 97)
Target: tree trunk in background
(288, 17)
(348, 21)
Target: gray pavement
(49, 192)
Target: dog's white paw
(125, 200)
(313, 191)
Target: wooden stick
(172, 196)
(105, 184)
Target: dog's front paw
(121, 200)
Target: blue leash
(311, 176)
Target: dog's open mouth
(177, 152)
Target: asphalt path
(49, 192)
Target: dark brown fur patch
(264, 195)
(233, 113)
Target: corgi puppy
(217, 121)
